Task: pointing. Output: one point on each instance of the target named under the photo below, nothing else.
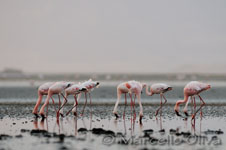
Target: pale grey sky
(138, 36)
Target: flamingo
(129, 87)
(42, 90)
(89, 85)
(193, 88)
(56, 88)
(73, 90)
(158, 88)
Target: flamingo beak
(177, 113)
(97, 84)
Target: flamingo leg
(125, 107)
(53, 104)
(59, 101)
(134, 111)
(116, 104)
(186, 107)
(131, 102)
(164, 99)
(141, 108)
(65, 101)
(203, 103)
(84, 104)
(90, 100)
(157, 111)
(76, 103)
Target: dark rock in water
(186, 134)
(144, 148)
(102, 131)
(19, 136)
(63, 148)
(82, 130)
(61, 137)
(14, 123)
(40, 133)
(172, 131)
(149, 131)
(4, 136)
(178, 134)
(219, 132)
(24, 130)
(162, 131)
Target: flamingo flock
(133, 88)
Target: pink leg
(131, 103)
(76, 103)
(134, 111)
(203, 103)
(157, 111)
(59, 101)
(53, 103)
(65, 101)
(125, 107)
(84, 104)
(90, 100)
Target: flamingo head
(69, 84)
(97, 84)
(208, 86)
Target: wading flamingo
(75, 89)
(89, 85)
(191, 89)
(57, 88)
(129, 87)
(158, 88)
(42, 90)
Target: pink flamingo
(56, 88)
(89, 85)
(42, 90)
(73, 90)
(130, 87)
(191, 89)
(158, 88)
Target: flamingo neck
(180, 102)
(149, 93)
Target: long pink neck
(180, 102)
(147, 91)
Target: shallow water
(128, 134)
(17, 122)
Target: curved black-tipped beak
(97, 83)
(186, 114)
(116, 116)
(177, 113)
(83, 89)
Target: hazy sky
(113, 35)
